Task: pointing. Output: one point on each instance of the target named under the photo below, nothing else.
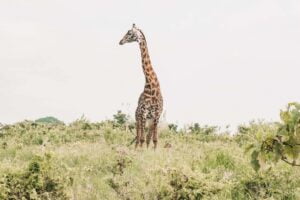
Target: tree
(206, 129)
(120, 119)
(173, 127)
(49, 120)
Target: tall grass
(86, 160)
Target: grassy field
(86, 160)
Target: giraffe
(150, 103)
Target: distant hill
(49, 119)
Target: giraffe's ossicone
(150, 104)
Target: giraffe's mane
(143, 35)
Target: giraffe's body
(150, 104)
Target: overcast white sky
(219, 62)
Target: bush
(265, 186)
(36, 182)
(182, 186)
(250, 132)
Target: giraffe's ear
(133, 26)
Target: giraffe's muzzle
(121, 42)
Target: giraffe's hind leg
(142, 135)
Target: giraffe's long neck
(150, 75)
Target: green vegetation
(85, 160)
(120, 118)
(206, 130)
(281, 142)
(35, 182)
(50, 120)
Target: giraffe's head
(133, 35)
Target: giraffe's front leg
(155, 136)
(150, 133)
(138, 133)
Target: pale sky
(219, 62)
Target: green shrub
(121, 163)
(36, 182)
(183, 186)
(270, 185)
(250, 132)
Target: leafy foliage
(282, 144)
